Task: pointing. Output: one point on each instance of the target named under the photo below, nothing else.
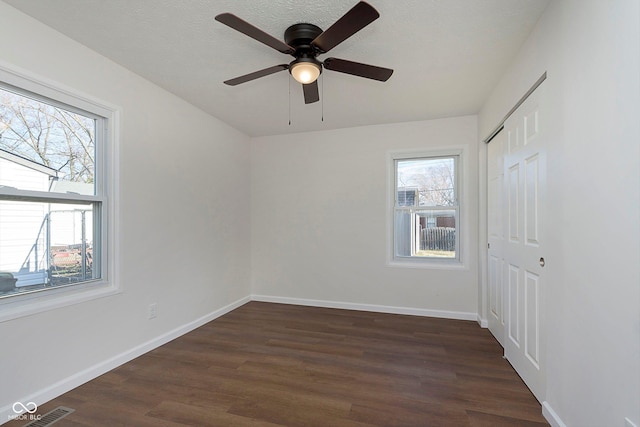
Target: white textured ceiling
(447, 55)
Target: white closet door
(496, 233)
(524, 241)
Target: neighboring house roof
(23, 161)
(72, 187)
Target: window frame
(106, 179)
(394, 260)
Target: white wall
(591, 51)
(319, 218)
(183, 221)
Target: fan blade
(358, 69)
(361, 15)
(254, 32)
(256, 74)
(311, 94)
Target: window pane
(45, 245)
(45, 147)
(425, 233)
(426, 182)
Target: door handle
(541, 262)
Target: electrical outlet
(629, 423)
(153, 310)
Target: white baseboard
(484, 323)
(457, 315)
(69, 383)
(551, 416)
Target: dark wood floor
(283, 365)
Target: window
(53, 198)
(426, 213)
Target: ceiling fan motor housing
(300, 36)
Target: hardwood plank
(192, 415)
(283, 365)
(411, 415)
(480, 419)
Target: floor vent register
(51, 417)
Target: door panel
(514, 203)
(531, 201)
(532, 318)
(495, 288)
(513, 314)
(530, 125)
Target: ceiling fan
(305, 42)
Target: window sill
(37, 302)
(432, 264)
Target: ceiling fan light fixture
(305, 70)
